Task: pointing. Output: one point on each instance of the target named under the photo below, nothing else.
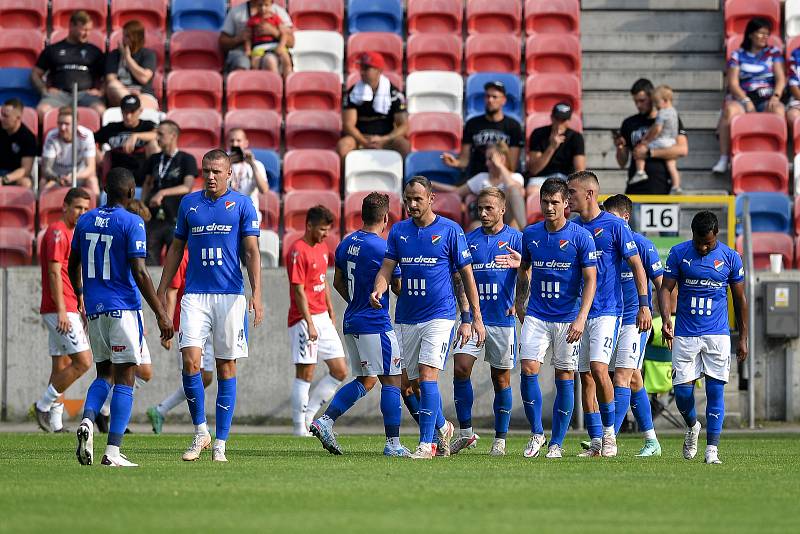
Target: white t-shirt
(244, 181)
(237, 17)
(481, 181)
(55, 148)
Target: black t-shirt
(563, 158)
(633, 129)
(169, 172)
(146, 59)
(14, 147)
(370, 122)
(480, 132)
(115, 134)
(67, 63)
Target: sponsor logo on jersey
(118, 348)
(465, 254)
(435, 239)
(718, 264)
(552, 264)
(594, 254)
(212, 228)
(101, 222)
(229, 204)
(562, 244)
(420, 260)
(502, 244)
(630, 245)
(597, 232)
(353, 250)
(703, 282)
(656, 266)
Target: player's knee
(82, 362)
(345, 145)
(145, 372)
(368, 382)
(461, 370)
(339, 374)
(208, 377)
(501, 379)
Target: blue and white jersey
(213, 231)
(793, 69)
(703, 288)
(756, 70)
(107, 238)
(359, 256)
(427, 257)
(652, 269)
(557, 261)
(495, 284)
(613, 240)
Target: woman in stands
(756, 80)
(131, 68)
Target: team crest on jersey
(502, 244)
(57, 235)
(562, 244)
(718, 264)
(435, 239)
(229, 204)
(597, 232)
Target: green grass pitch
(280, 484)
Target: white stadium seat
(371, 170)
(792, 18)
(435, 90)
(316, 51)
(269, 245)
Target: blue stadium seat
(197, 15)
(16, 83)
(769, 212)
(375, 16)
(272, 162)
(429, 163)
(474, 93)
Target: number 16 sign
(659, 217)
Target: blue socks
(463, 397)
(562, 410)
(640, 406)
(121, 404)
(226, 402)
(607, 414)
(390, 408)
(430, 403)
(412, 405)
(622, 400)
(502, 412)
(195, 397)
(440, 420)
(532, 401)
(684, 400)
(593, 424)
(715, 409)
(95, 398)
(345, 398)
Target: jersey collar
(212, 201)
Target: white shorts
(117, 336)
(72, 342)
(145, 359)
(598, 341)
(374, 354)
(220, 318)
(425, 343)
(541, 337)
(693, 357)
(630, 348)
(327, 347)
(500, 348)
(661, 142)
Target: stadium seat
(434, 91)
(194, 88)
(766, 243)
(195, 49)
(87, 117)
(352, 211)
(269, 245)
(544, 91)
(493, 53)
(769, 212)
(296, 204)
(313, 129)
(534, 208)
(373, 170)
(115, 115)
(51, 203)
(281, 3)
(17, 207)
(24, 14)
(318, 51)
(537, 120)
(31, 119)
(752, 132)
(313, 90)
(197, 15)
(254, 89)
(553, 16)
(434, 51)
(734, 42)
(553, 53)
(792, 19)
(311, 168)
(269, 205)
(739, 12)
(389, 45)
(62, 10)
(435, 16)
(494, 16)
(20, 47)
(96, 37)
(760, 171)
(430, 165)
(16, 247)
(325, 15)
(375, 16)
(435, 131)
(198, 152)
(272, 164)
(451, 206)
(199, 127)
(395, 78)
(475, 92)
(16, 83)
(153, 39)
(290, 236)
(262, 126)
(151, 13)
(795, 135)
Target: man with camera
(248, 175)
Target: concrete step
(652, 61)
(650, 21)
(692, 120)
(621, 102)
(696, 182)
(699, 140)
(675, 41)
(684, 5)
(603, 158)
(679, 80)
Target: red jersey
(55, 247)
(179, 282)
(308, 266)
(254, 24)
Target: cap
(562, 111)
(130, 103)
(495, 84)
(372, 59)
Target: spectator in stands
(555, 151)
(235, 31)
(488, 129)
(629, 149)
(248, 175)
(661, 134)
(17, 146)
(73, 60)
(131, 67)
(793, 107)
(756, 80)
(57, 156)
(374, 111)
(131, 141)
(169, 175)
(266, 41)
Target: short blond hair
(664, 92)
(493, 192)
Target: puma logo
(194, 209)
(226, 408)
(687, 262)
(563, 412)
(404, 239)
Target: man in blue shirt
(217, 224)
(703, 269)
(106, 265)
(428, 248)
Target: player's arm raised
(665, 308)
(740, 311)
(523, 289)
(142, 279)
(465, 328)
(587, 297)
(471, 290)
(252, 258)
(171, 264)
(643, 319)
(382, 282)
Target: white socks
(321, 395)
(219, 444)
(394, 442)
(465, 432)
(170, 402)
(106, 409)
(608, 431)
(202, 428)
(139, 382)
(48, 398)
(112, 451)
(56, 416)
(299, 399)
(650, 434)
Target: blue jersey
(756, 72)
(107, 238)
(557, 261)
(427, 257)
(495, 283)
(359, 256)
(703, 288)
(652, 269)
(213, 231)
(613, 240)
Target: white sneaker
(117, 461)
(554, 451)
(498, 447)
(608, 448)
(721, 166)
(712, 455)
(443, 437)
(690, 441)
(425, 451)
(464, 442)
(218, 454)
(85, 451)
(200, 442)
(535, 444)
(638, 177)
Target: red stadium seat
(296, 204)
(194, 88)
(254, 89)
(62, 10)
(795, 134)
(311, 169)
(24, 14)
(86, 117)
(754, 132)
(739, 12)
(51, 203)
(313, 129)
(313, 90)
(199, 127)
(195, 49)
(760, 171)
(494, 16)
(493, 53)
(17, 207)
(553, 53)
(390, 45)
(553, 16)
(542, 92)
(326, 15)
(766, 243)
(435, 131)
(537, 120)
(434, 51)
(534, 209)
(734, 42)
(96, 37)
(270, 207)
(31, 119)
(797, 252)
(198, 152)
(435, 16)
(151, 13)
(395, 77)
(153, 39)
(451, 206)
(290, 236)
(352, 211)
(16, 247)
(262, 126)
(20, 47)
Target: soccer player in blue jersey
(614, 244)
(368, 335)
(106, 265)
(428, 248)
(495, 281)
(217, 224)
(703, 269)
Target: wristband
(644, 302)
(466, 317)
(744, 101)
